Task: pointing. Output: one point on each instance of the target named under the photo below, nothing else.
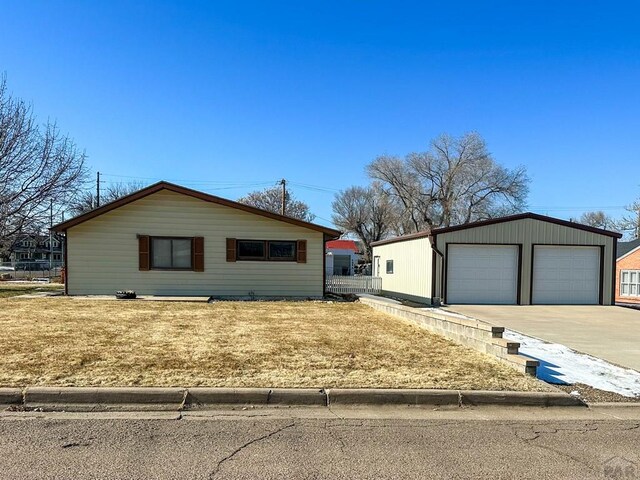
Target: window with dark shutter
(198, 254)
(231, 249)
(143, 252)
(171, 253)
(302, 251)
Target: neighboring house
(169, 240)
(34, 250)
(628, 272)
(341, 257)
(521, 259)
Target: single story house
(170, 240)
(342, 257)
(628, 272)
(520, 259)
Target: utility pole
(50, 237)
(283, 182)
(98, 189)
(63, 241)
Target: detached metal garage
(517, 260)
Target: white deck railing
(353, 284)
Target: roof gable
(157, 187)
(627, 248)
(527, 215)
(493, 221)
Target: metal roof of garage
(493, 221)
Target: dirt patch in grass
(61, 341)
(15, 289)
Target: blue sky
(228, 97)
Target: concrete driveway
(610, 333)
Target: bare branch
(39, 167)
(270, 199)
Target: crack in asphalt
(334, 413)
(248, 444)
(75, 444)
(336, 437)
(537, 430)
(192, 414)
(372, 426)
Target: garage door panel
(567, 275)
(482, 274)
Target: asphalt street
(497, 443)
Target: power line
(324, 219)
(314, 187)
(192, 182)
(227, 185)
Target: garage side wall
(412, 269)
(529, 232)
(103, 251)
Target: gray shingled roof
(626, 247)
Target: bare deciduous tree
(457, 181)
(270, 199)
(630, 222)
(87, 200)
(39, 167)
(598, 219)
(365, 211)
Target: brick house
(628, 272)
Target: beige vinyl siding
(529, 232)
(103, 251)
(411, 277)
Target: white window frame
(630, 285)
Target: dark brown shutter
(143, 252)
(302, 251)
(197, 249)
(231, 249)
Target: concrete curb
(175, 399)
(530, 399)
(227, 396)
(379, 396)
(75, 398)
(10, 396)
(198, 397)
(294, 396)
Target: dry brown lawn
(63, 341)
(15, 289)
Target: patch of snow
(561, 365)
